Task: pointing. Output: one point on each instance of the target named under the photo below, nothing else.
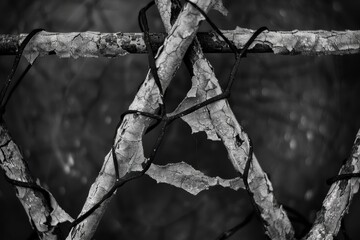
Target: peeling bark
(317, 42)
(128, 146)
(96, 44)
(338, 199)
(184, 176)
(217, 119)
(43, 215)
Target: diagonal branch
(338, 199)
(224, 124)
(96, 44)
(128, 142)
(40, 206)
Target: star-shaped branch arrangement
(205, 108)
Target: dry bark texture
(338, 199)
(44, 214)
(184, 176)
(218, 121)
(128, 142)
(95, 44)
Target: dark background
(302, 113)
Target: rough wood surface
(44, 214)
(128, 142)
(338, 199)
(96, 44)
(217, 119)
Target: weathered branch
(217, 119)
(338, 199)
(128, 142)
(43, 211)
(95, 44)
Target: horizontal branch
(95, 44)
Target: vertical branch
(236, 141)
(128, 142)
(338, 199)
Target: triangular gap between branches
(180, 144)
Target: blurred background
(301, 112)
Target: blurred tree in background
(301, 112)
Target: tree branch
(41, 207)
(95, 44)
(338, 199)
(128, 145)
(217, 119)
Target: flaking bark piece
(219, 6)
(184, 176)
(201, 88)
(58, 215)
